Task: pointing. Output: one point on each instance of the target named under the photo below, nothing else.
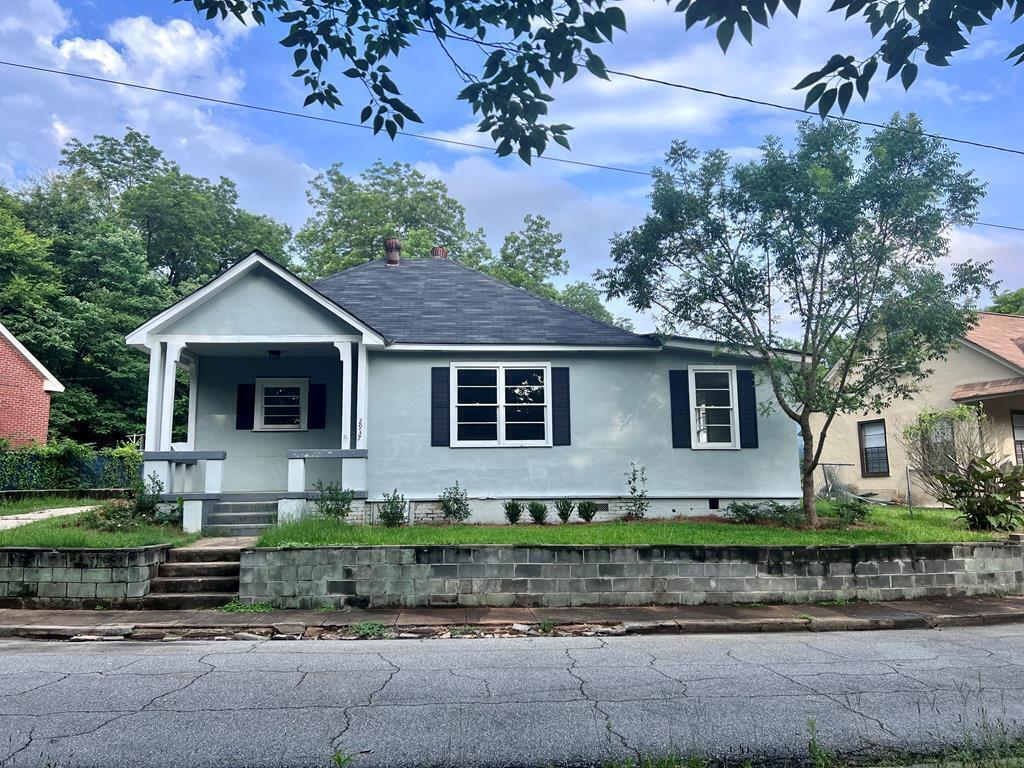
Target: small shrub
(538, 512)
(128, 514)
(636, 484)
(988, 497)
(513, 511)
(851, 511)
(761, 512)
(371, 630)
(455, 504)
(331, 502)
(392, 510)
(146, 497)
(564, 508)
(586, 510)
(546, 627)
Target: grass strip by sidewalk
(58, 532)
(885, 525)
(40, 503)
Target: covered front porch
(276, 395)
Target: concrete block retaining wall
(556, 576)
(77, 578)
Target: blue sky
(626, 123)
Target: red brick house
(25, 387)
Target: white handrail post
(214, 476)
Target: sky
(622, 123)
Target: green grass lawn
(37, 503)
(886, 525)
(56, 532)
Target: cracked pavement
(576, 701)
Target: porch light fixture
(274, 354)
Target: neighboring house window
(281, 404)
(1017, 420)
(713, 394)
(500, 404)
(874, 453)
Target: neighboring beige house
(864, 450)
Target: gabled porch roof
(140, 337)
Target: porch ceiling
(288, 350)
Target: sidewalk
(440, 622)
(13, 521)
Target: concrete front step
(194, 584)
(241, 518)
(264, 507)
(229, 568)
(254, 529)
(168, 601)
(203, 555)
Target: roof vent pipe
(392, 251)
(439, 252)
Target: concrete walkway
(423, 622)
(13, 521)
(519, 703)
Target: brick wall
(77, 578)
(24, 405)
(555, 576)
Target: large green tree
(89, 253)
(1009, 302)
(834, 250)
(352, 215)
(510, 55)
(530, 257)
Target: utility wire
(438, 139)
(773, 105)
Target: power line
(303, 115)
(425, 137)
(774, 105)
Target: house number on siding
(359, 429)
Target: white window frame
(695, 443)
(262, 384)
(501, 442)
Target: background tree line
(119, 232)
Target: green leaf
(793, 6)
(814, 94)
(366, 113)
(813, 77)
(300, 56)
(908, 75)
(845, 94)
(596, 66)
(828, 98)
(724, 34)
(616, 17)
(746, 27)
(561, 140)
(525, 153)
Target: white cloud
(176, 55)
(1002, 248)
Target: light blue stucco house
(414, 374)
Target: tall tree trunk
(807, 467)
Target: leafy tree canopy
(838, 240)
(519, 50)
(352, 216)
(1009, 302)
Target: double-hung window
(281, 404)
(1017, 422)
(874, 451)
(500, 404)
(713, 399)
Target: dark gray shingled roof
(438, 301)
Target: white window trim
(695, 444)
(261, 385)
(501, 442)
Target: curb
(143, 631)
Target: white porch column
(362, 393)
(167, 396)
(156, 366)
(345, 352)
(193, 398)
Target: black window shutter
(440, 409)
(747, 406)
(245, 406)
(561, 432)
(316, 409)
(679, 407)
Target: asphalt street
(502, 702)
